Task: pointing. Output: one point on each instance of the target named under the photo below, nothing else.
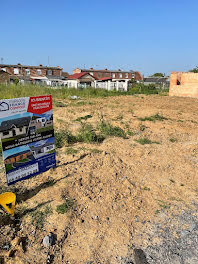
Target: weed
(88, 135)
(60, 104)
(119, 117)
(63, 137)
(95, 151)
(83, 118)
(181, 121)
(162, 204)
(147, 188)
(38, 216)
(144, 141)
(154, 118)
(181, 184)
(130, 133)
(173, 140)
(157, 211)
(65, 207)
(70, 151)
(108, 130)
(142, 127)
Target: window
(16, 71)
(39, 72)
(49, 72)
(20, 129)
(126, 75)
(27, 72)
(178, 82)
(6, 133)
(113, 75)
(120, 75)
(133, 76)
(99, 75)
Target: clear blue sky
(148, 35)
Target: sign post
(27, 136)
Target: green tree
(157, 74)
(195, 70)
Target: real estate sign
(27, 136)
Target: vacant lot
(132, 184)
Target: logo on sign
(4, 106)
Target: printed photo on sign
(27, 136)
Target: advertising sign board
(27, 136)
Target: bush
(64, 137)
(140, 88)
(65, 207)
(88, 135)
(108, 130)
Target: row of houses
(55, 76)
(81, 78)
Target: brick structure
(184, 84)
(4, 77)
(117, 75)
(31, 71)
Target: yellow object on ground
(7, 200)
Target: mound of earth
(124, 200)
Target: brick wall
(184, 84)
(33, 70)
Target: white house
(111, 84)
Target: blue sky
(148, 35)
(13, 151)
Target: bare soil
(125, 195)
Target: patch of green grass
(108, 130)
(147, 188)
(43, 129)
(71, 151)
(181, 121)
(157, 211)
(173, 140)
(142, 127)
(96, 151)
(83, 118)
(60, 104)
(39, 216)
(154, 118)
(131, 133)
(65, 207)
(64, 137)
(81, 103)
(87, 134)
(144, 141)
(162, 204)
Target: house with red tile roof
(80, 80)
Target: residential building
(109, 84)
(80, 80)
(114, 74)
(159, 82)
(35, 74)
(4, 77)
(184, 84)
(14, 127)
(18, 157)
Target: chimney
(106, 69)
(41, 65)
(19, 64)
(119, 70)
(91, 68)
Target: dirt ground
(121, 190)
